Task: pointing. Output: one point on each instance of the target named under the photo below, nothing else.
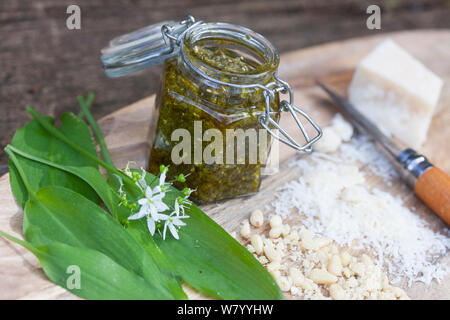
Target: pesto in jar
(188, 101)
(218, 104)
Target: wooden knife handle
(433, 188)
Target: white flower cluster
(152, 205)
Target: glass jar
(219, 103)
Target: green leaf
(94, 126)
(38, 142)
(208, 258)
(57, 214)
(42, 225)
(89, 175)
(111, 198)
(100, 276)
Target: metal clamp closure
(281, 86)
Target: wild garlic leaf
(57, 214)
(38, 142)
(100, 277)
(110, 197)
(208, 258)
(91, 176)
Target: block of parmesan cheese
(397, 92)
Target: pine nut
(271, 253)
(346, 258)
(309, 244)
(322, 242)
(293, 236)
(398, 292)
(358, 268)
(337, 293)
(335, 266)
(284, 283)
(245, 230)
(323, 256)
(321, 276)
(263, 260)
(333, 249)
(273, 266)
(306, 285)
(286, 229)
(305, 234)
(257, 243)
(276, 274)
(257, 218)
(347, 272)
(275, 232)
(275, 221)
(250, 248)
(297, 276)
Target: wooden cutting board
(127, 134)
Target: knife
(430, 184)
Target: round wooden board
(127, 134)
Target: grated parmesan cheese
(334, 200)
(362, 150)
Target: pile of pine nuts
(313, 267)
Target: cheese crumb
(329, 142)
(342, 127)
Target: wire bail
(269, 91)
(175, 39)
(281, 86)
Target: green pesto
(185, 98)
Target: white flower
(142, 184)
(127, 170)
(151, 205)
(180, 206)
(120, 183)
(162, 186)
(172, 222)
(162, 177)
(151, 225)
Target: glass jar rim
(241, 36)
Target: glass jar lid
(142, 48)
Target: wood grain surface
(46, 65)
(127, 134)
